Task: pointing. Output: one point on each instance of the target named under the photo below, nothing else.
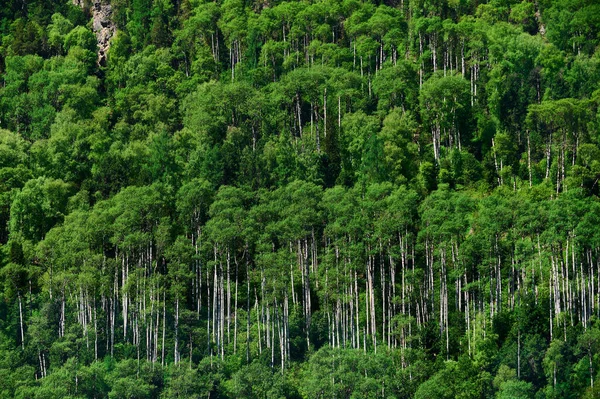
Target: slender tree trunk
(162, 358)
(248, 314)
(176, 338)
(529, 156)
(519, 354)
(21, 320)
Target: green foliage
(250, 199)
(37, 207)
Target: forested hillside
(301, 199)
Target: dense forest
(299, 199)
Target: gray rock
(102, 24)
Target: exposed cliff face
(102, 24)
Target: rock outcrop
(102, 24)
